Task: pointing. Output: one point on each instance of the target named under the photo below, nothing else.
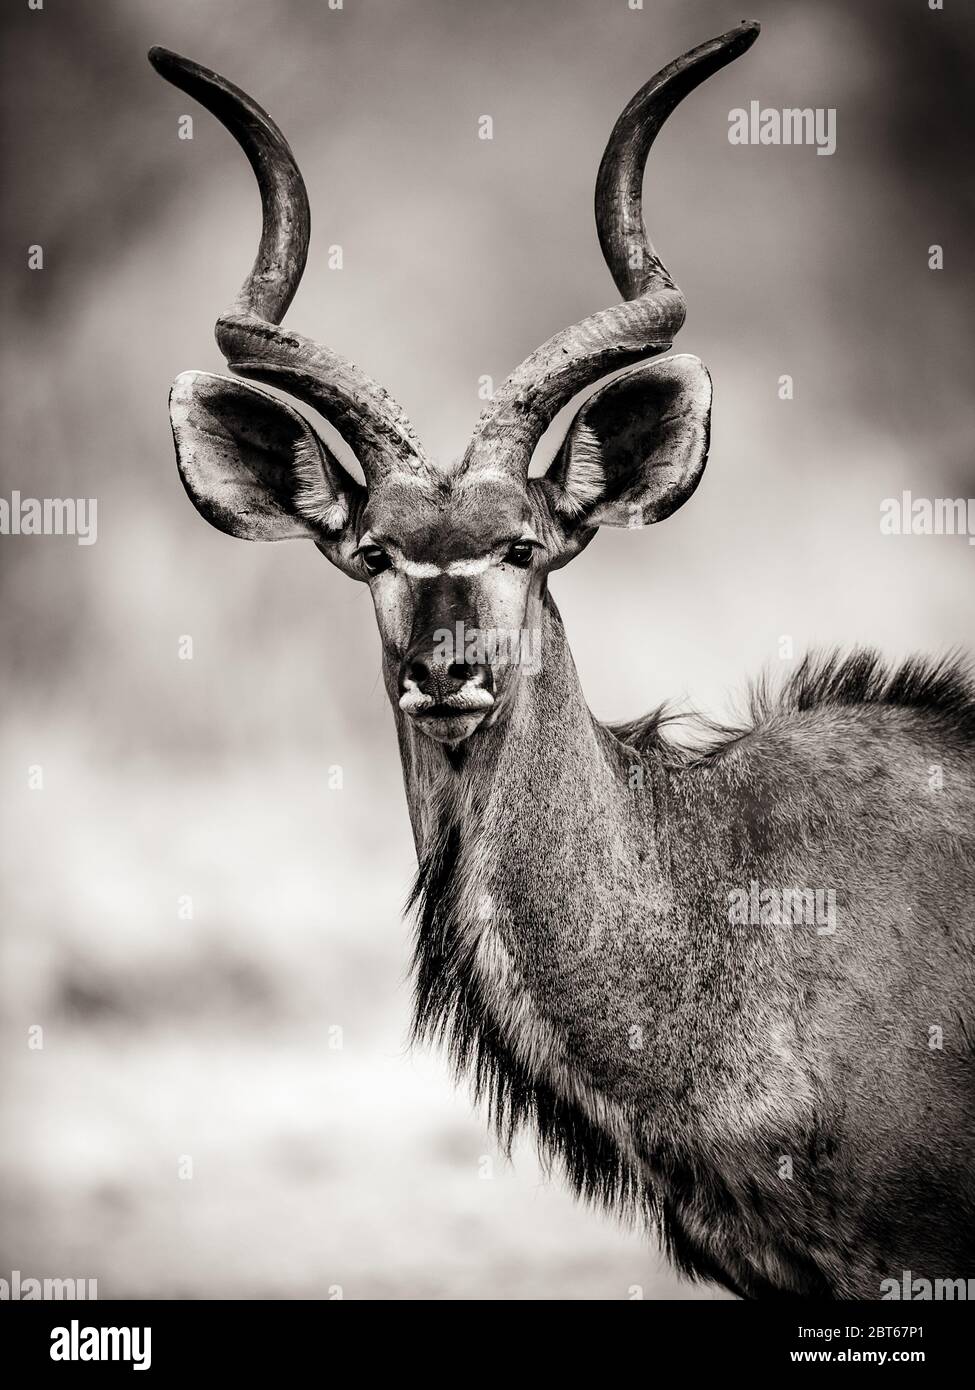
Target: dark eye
(520, 554)
(375, 559)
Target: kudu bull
(774, 1101)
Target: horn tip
(726, 47)
(159, 56)
(169, 64)
(746, 33)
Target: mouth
(451, 726)
(450, 720)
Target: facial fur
(460, 561)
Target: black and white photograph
(549, 874)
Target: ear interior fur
(637, 447)
(314, 497)
(584, 478)
(252, 466)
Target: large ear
(636, 450)
(253, 467)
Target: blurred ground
(264, 1040)
(213, 1037)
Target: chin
(450, 728)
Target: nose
(440, 679)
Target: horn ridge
(249, 335)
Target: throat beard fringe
(450, 1009)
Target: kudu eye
(520, 554)
(375, 559)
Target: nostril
(431, 678)
(462, 672)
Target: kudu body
(770, 1098)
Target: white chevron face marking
(476, 566)
(417, 569)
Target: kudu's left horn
(365, 415)
(645, 324)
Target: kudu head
(464, 550)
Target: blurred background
(208, 932)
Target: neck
(540, 882)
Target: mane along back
(940, 690)
(943, 689)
